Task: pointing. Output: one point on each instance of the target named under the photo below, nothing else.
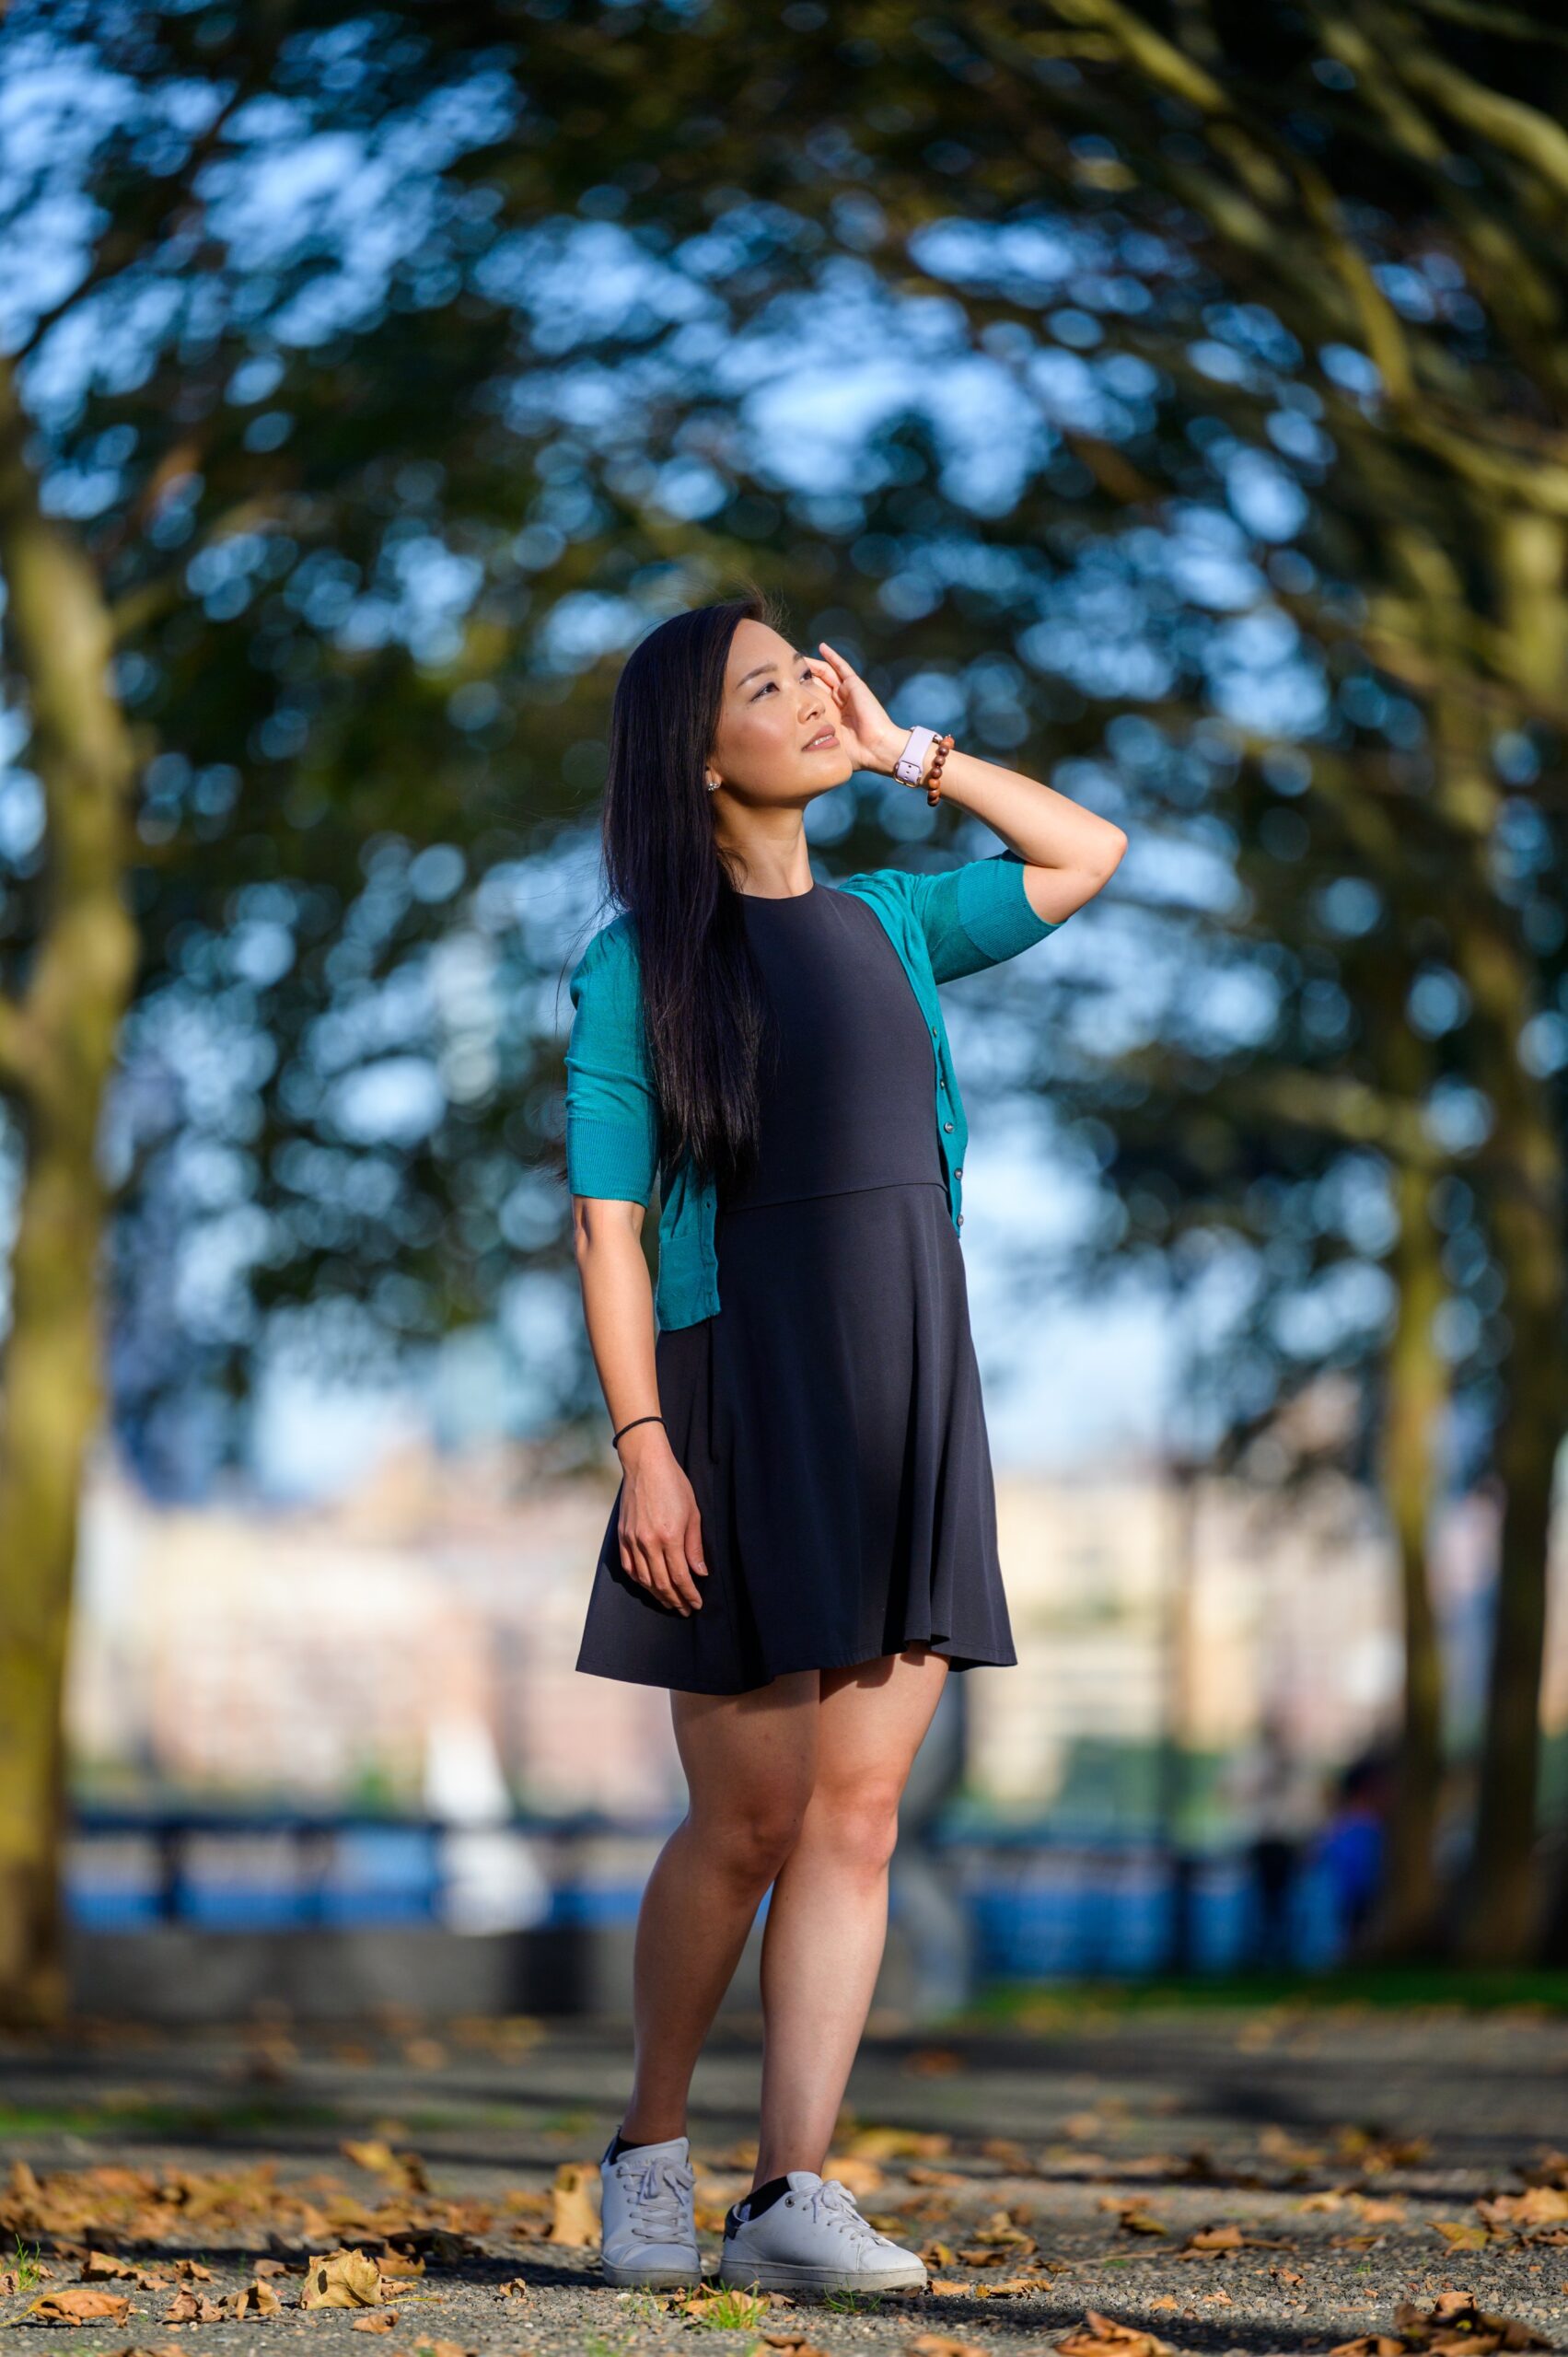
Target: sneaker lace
(833, 2202)
(657, 2189)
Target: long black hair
(709, 1026)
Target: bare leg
(828, 1917)
(749, 1761)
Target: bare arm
(1068, 852)
(661, 1540)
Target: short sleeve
(612, 1100)
(977, 915)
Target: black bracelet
(636, 1419)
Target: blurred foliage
(1167, 400)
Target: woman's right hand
(661, 1530)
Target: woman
(804, 1541)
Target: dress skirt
(830, 1420)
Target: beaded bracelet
(934, 781)
(635, 1420)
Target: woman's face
(777, 739)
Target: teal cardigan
(953, 922)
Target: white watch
(911, 764)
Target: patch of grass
(854, 2303)
(123, 2113)
(1406, 1986)
(47, 2119)
(438, 2120)
(732, 2309)
(28, 2266)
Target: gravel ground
(1315, 2155)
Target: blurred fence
(1038, 1906)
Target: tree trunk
(57, 1047)
(1521, 1172)
(1406, 1920)
(1501, 1915)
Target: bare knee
(749, 1844)
(861, 1819)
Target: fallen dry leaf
(81, 2304)
(517, 2287)
(190, 2270)
(1456, 2327)
(938, 2344)
(1372, 2150)
(1098, 2333)
(344, 2279)
(1460, 2234)
(980, 2255)
(1083, 2126)
(195, 2307)
(401, 2263)
(254, 2300)
(796, 2341)
(381, 2323)
(405, 2171)
(1134, 2220)
(1281, 2146)
(861, 2175)
(1002, 2229)
(575, 2217)
(898, 2144)
(1370, 2344)
(102, 2267)
(1542, 2205)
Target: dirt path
(1285, 2180)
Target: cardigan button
(959, 1171)
(961, 1219)
(946, 1125)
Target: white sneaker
(647, 2232)
(814, 2239)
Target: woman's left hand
(870, 738)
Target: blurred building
(340, 1652)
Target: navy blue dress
(829, 1417)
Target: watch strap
(911, 763)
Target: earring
(713, 785)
